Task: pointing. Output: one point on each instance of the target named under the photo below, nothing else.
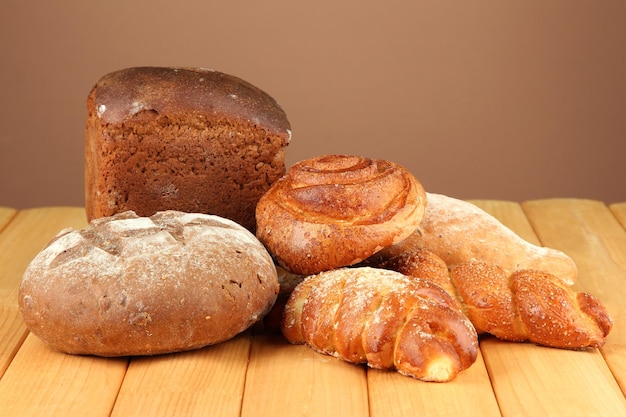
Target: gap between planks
(518, 369)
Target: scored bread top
(130, 285)
(122, 94)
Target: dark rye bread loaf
(129, 285)
(184, 139)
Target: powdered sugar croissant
(384, 319)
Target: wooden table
(259, 374)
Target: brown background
(479, 99)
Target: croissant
(458, 231)
(526, 305)
(337, 210)
(382, 318)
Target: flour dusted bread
(184, 139)
(130, 285)
(384, 319)
(336, 210)
(457, 231)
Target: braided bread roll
(526, 305)
(337, 210)
(532, 305)
(382, 318)
(458, 231)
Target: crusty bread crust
(184, 139)
(130, 285)
(527, 305)
(458, 231)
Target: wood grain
(259, 374)
(531, 380)
(521, 372)
(591, 234)
(12, 334)
(293, 380)
(187, 384)
(619, 211)
(22, 236)
(470, 394)
(6, 214)
(43, 382)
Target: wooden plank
(202, 382)
(11, 328)
(532, 380)
(12, 334)
(293, 380)
(618, 366)
(590, 233)
(24, 237)
(537, 381)
(470, 394)
(20, 240)
(6, 214)
(43, 382)
(619, 211)
(511, 214)
(37, 380)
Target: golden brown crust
(336, 210)
(527, 305)
(383, 318)
(419, 263)
(553, 315)
(488, 300)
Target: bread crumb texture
(182, 139)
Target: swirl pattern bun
(337, 210)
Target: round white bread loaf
(130, 285)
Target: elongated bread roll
(129, 285)
(458, 231)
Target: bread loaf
(458, 231)
(130, 285)
(384, 319)
(184, 139)
(337, 210)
